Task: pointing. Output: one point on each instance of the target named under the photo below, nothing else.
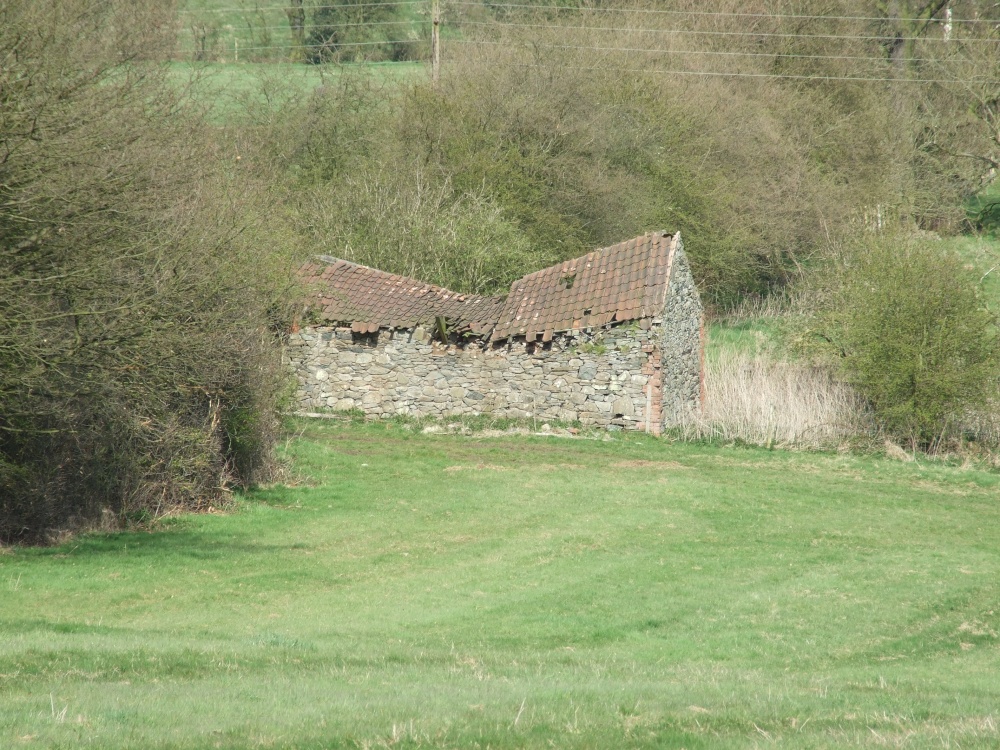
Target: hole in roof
(567, 280)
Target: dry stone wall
(606, 378)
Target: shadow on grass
(190, 544)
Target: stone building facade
(612, 339)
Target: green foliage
(905, 320)
(576, 161)
(349, 31)
(983, 211)
(139, 276)
(573, 156)
(461, 241)
(471, 186)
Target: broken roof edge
(332, 261)
(375, 299)
(619, 283)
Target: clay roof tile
(621, 282)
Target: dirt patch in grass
(640, 464)
(477, 467)
(528, 468)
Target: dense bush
(564, 137)
(905, 322)
(138, 280)
(515, 167)
(349, 31)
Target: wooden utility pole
(435, 40)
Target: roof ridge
(619, 282)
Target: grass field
(232, 31)
(444, 591)
(231, 88)
(983, 255)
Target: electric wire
(709, 13)
(698, 32)
(284, 8)
(597, 10)
(657, 71)
(735, 74)
(718, 53)
(331, 45)
(496, 25)
(284, 27)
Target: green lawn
(750, 337)
(418, 590)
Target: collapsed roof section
(627, 281)
(368, 299)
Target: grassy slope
(439, 591)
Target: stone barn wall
(614, 368)
(608, 378)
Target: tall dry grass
(976, 431)
(756, 399)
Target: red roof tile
(368, 299)
(622, 282)
(626, 281)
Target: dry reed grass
(979, 429)
(756, 399)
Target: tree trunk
(297, 23)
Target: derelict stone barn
(612, 339)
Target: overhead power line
(657, 71)
(284, 26)
(654, 50)
(710, 13)
(283, 8)
(332, 45)
(699, 32)
(598, 48)
(733, 74)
